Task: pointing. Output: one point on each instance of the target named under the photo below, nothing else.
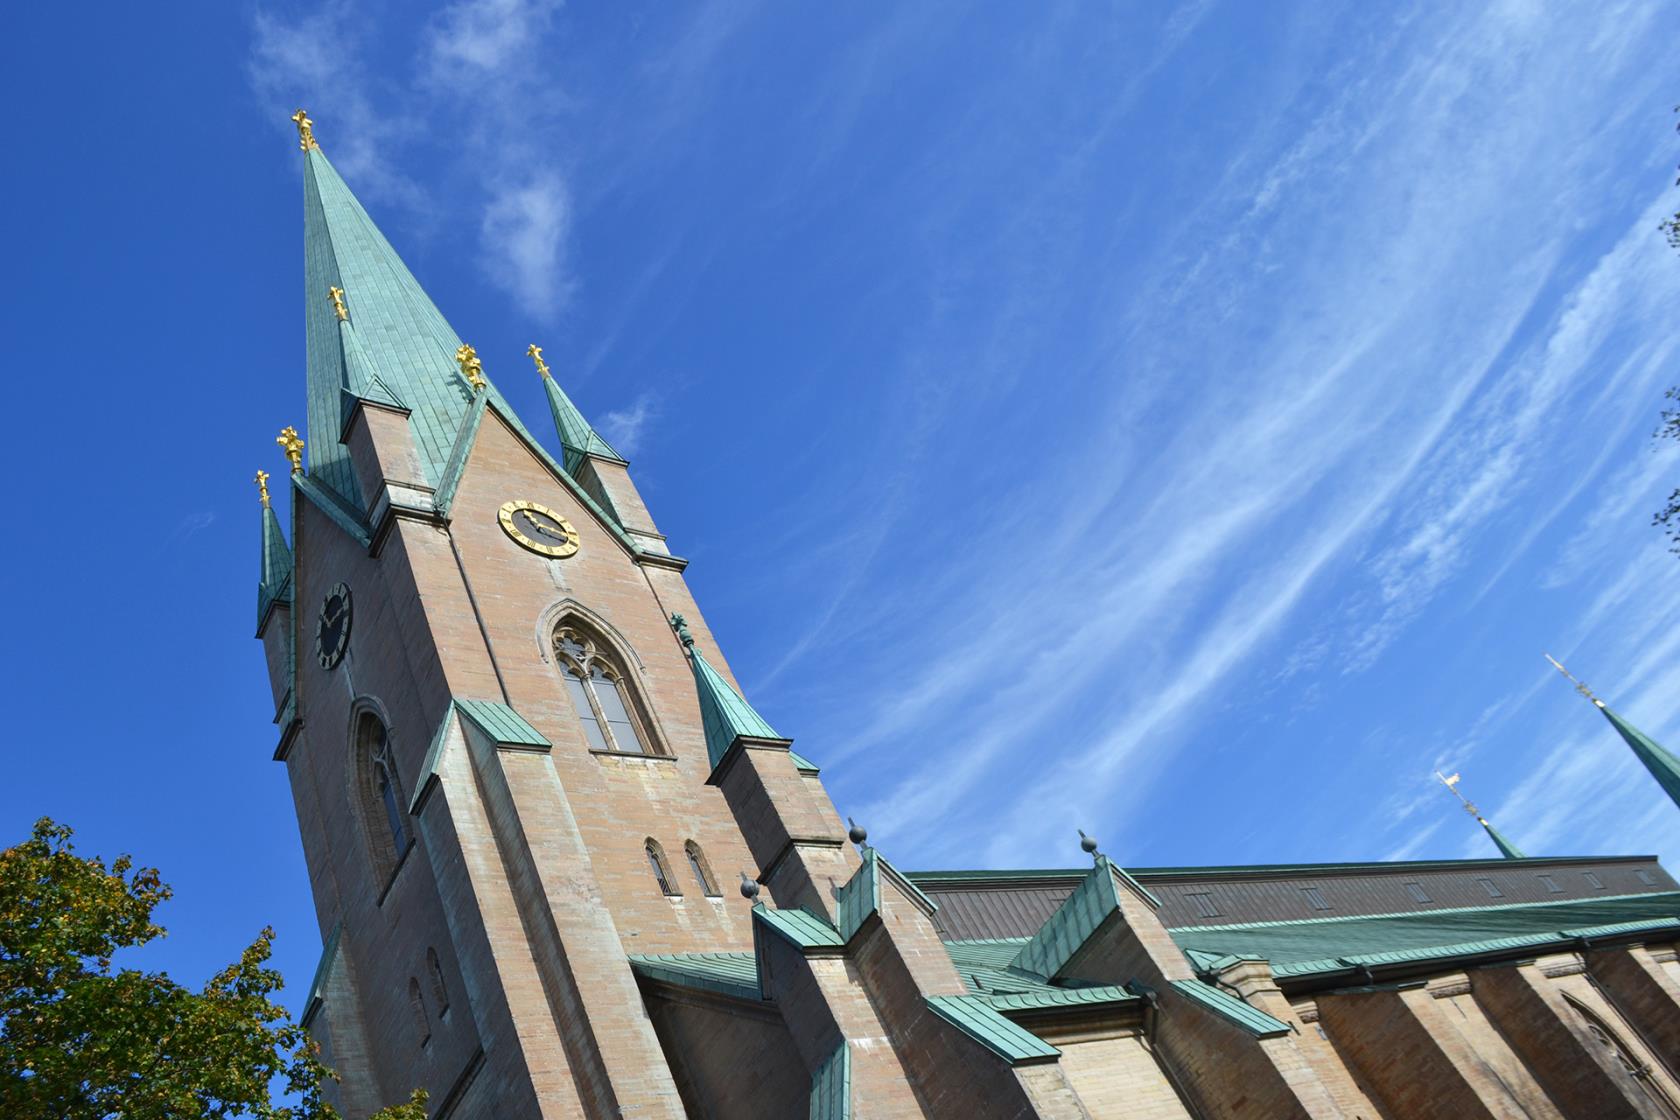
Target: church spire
(577, 437)
(1662, 764)
(274, 582)
(1506, 848)
(724, 713)
(373, 333)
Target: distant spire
(1506, 848)
(724, 713)
(577, 437)
(1662, 764)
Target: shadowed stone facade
(526, 797)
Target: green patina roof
(1090, 904)
(577, 437)
(730, 974)
(831, 1086)
(323, 972)
(987, 967)
(1323, 944)
(977, 1018)
(725, 715)
(861, 896)
(498, 721)
(361, 383)
(800, 926)
(1664, 767)
(275, 583)
(1221, 1002)
(1506, 848)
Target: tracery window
(1608, 1038)
(661, 869)
(606, 706)
(382, 799)
(702, 869)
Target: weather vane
(1580, 685)
(306, 130)
(336, 294)
(534, 352)
(262, 485)
(292, 445)
(473, 369)
(1452, 787)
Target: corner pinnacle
(306, 131)
(262, 485)
(471, 367)
(292, 444)
(534, 352)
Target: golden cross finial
(535, 353)
(337, 296)
(292, 445)
(1452, 787)
(262, 485)
(473, 369)
(306, 130)
(1580, 686)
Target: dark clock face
(539, 529)
(332, 629)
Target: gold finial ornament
(471, 368)
(292, 445)
(1580, 686)
(306, 130)
(534, 352)
(1451, 782)
(262, 485)
(337, 296)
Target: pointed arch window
(417, 1007)
(435, 972)
(1611, 1041)
(608, 710)
(702, 870)
(381, 794)
(661, 869)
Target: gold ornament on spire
(534, 352)
(262, 485)
(1580, 686)
(471, 368)
(292, 445)
(337, 296)
(306, 130)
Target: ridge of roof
(1144, 874)
(1501, 907)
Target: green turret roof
(274, 585)
(577, 437)
(396, 347)
(1506, 848)
(1664, 767)
(725, 714)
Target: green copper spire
(724, 713)
(1506, 848)
(360, 382)
(274, 584)
(1663, 765)
(577, 437)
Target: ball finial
(1088, 844)
(749, 888)
(857, 834)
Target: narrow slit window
(1593, 880)
(417, 1005)
(1550, 884)
(439, 992)
(1418, 893)
(1491, 888)
(1203, 902)
(661, 870)
(1315, 898)
(701, 869)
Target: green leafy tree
(80, 1040)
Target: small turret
(724, 712)
(274, 583)
(1662, 763)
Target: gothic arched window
(606, 706)
(382, 800)
(1609, 1040)
(702, 870)
(417, 1006)
(435, 971)
(661, 869)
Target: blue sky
(1186, 424)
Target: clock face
(332, 629)
(539, 529)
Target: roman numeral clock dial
(539, 529)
